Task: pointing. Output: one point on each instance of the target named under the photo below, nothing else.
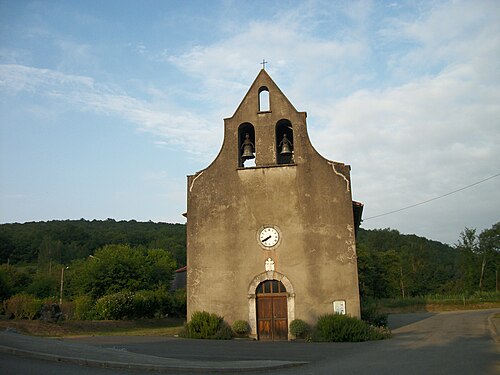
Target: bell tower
(270, 225)
(266, 108)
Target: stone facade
(301, 199)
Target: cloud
(15, 78)
(407, 93)
(433, 129)
(226, 68)
(412, 101)
(83, 93)
(433, 121)
(443, 34)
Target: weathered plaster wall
(310, 201)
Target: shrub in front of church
(204, 325)
(300, 329)
(370, 314)
(343, 328)
(224, 332)
(241, 328)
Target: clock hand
(265, 239)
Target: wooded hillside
(390, 264)
(64, 241)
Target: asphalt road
(457, 343)
(14, 365)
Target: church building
(271, 223)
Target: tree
(65, 241)
(5, 247)
(161, 264)
(468, 246)
(489, 248)
(44, 285)
(49, 253)
(6, 286)
(116, 268)
(14, 279)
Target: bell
(285, 149)
(247, 152)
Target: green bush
(6, 282)
(341, 328)
(145, 304)
(115, 306)
(299, 329)
(68, 309)
(165, 303)
(370, 314)
(241, 327)
(224, 332)
(204, 325)
(159, 303)
(142, 304)
(23, 306)
(84, 308)
(178, 306)
(43, 286)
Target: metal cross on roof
(263, 63)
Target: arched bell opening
(264, 102)
(284, 142)
(246, 143)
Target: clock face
(269, 237)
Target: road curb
(493, 328)
(146, 367)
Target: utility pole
(496, 285)
(62, 285)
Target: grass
(439, 302)
(168, 327)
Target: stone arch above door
(252, 311)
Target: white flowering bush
(115, 306)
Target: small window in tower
(284, 142)
(264, 104)
(246, 142)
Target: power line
(433, 199)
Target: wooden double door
(272, 311)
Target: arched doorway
(272, 312)
(252, 299)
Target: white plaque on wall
(269, 264)
(339, 307)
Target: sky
(107, 106)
